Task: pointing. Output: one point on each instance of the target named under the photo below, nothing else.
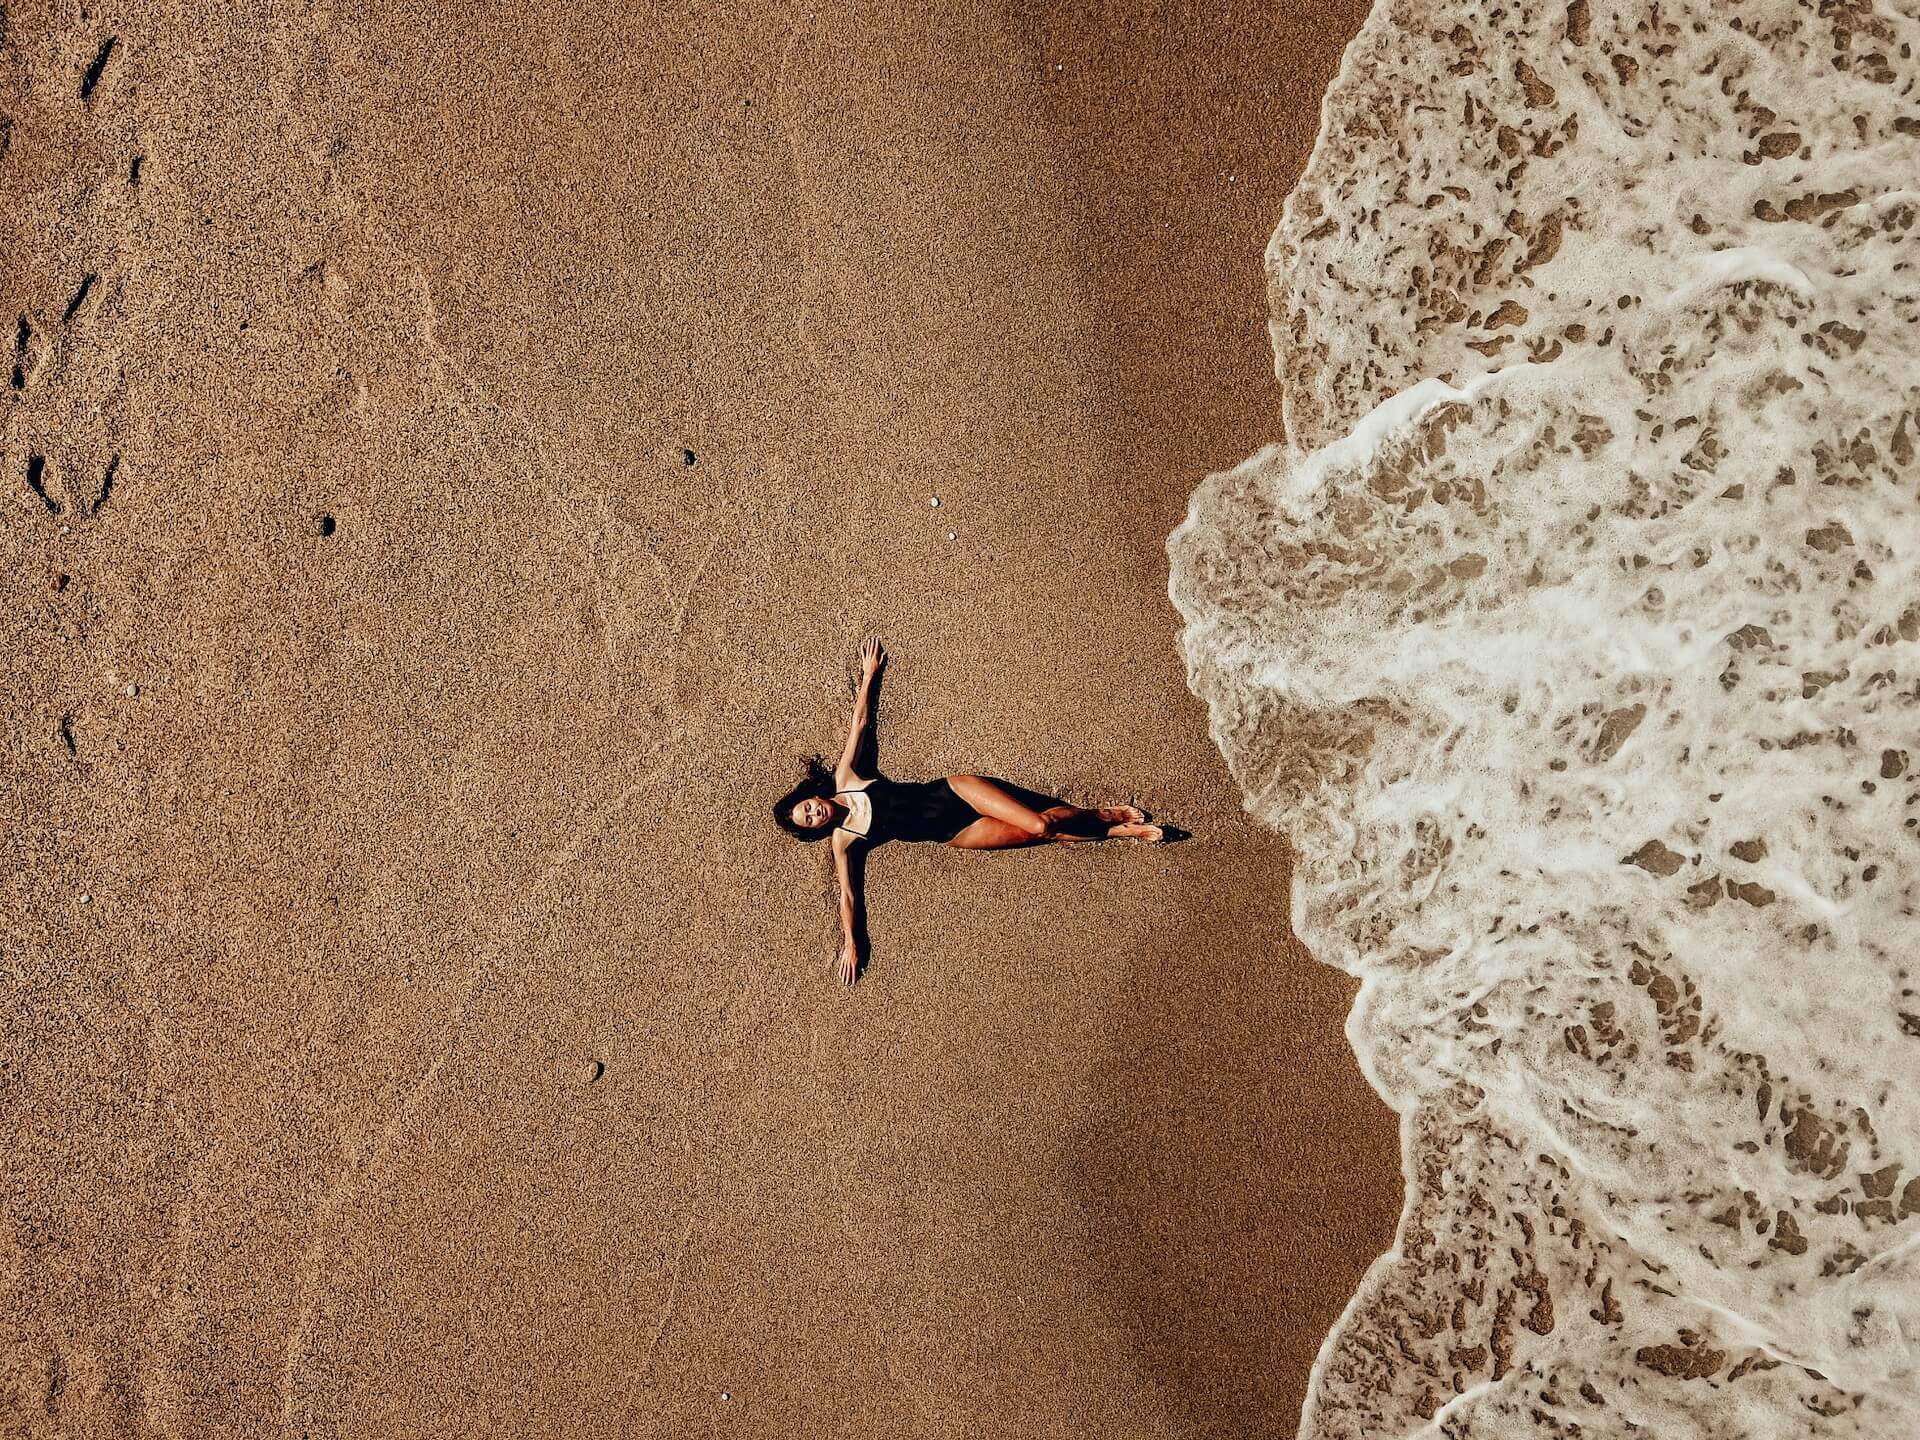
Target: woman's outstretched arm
(847, 965)
(872, 657)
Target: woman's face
(812, 813)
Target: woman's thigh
(991, 833)
(991, 798)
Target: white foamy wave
(1574, 638)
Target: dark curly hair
(819, 782)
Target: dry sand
(393, 758)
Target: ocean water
(1573, 638)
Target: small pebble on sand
(86, 899)
(726, 1394)
(952, 535)
(935, 502)
(132, 690)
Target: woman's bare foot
(1136, 832)
(1122, 814)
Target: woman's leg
(1070, 822)
(996, 803)
(1005, 821)
(988, 833)
(1110, 822)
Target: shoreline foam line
(1587, 700)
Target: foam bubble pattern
(1574, 639)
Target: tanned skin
(1005, 823)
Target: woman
(968, 812)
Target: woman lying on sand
(968, 812)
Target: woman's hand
(847, 966)
(872, 656)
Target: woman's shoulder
(847, 780)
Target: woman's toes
(1123, 815)
(1135, 831)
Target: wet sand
(415, 1024)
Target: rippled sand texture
(1574, 639)
(234, 658)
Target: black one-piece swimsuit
(926, 810)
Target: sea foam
(1573, 637)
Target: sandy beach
(433, 537)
